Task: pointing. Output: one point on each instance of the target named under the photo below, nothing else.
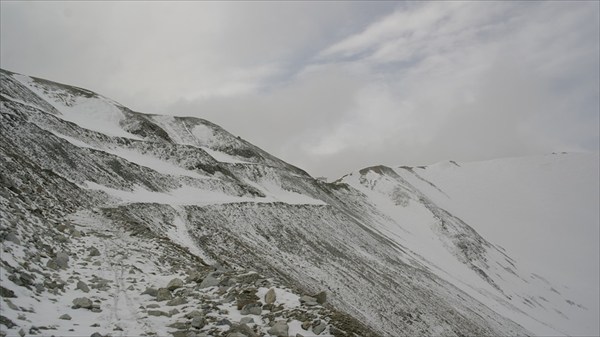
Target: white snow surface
(542, 209)
(188, 195)
(96, 113)
(528, 205)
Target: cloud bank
(333, 87)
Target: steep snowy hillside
(124, 223)
(543, 202)
(542, 209)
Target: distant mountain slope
(391, 258)
(542, 209)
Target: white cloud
(335, 86)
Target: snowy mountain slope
(390, 259)
(451, 247)
(548, 202)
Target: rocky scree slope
(175, 226)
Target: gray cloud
(333, 87)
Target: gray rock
(306, 325)
(192, 314)
(209, 281)
(279, 329)
(52, 264)
(176, 301)
(22, 332)
(65, 317)
(11, 305)
(96, 334)
(198, 322)
(62, 260)
(82, 302)
(163, 294)
(94, 251)
(195, 276)
(247, 296)
(150, 291)
(321, 297)
(83, 287)
(178, 325)
(236, 334)
(224, 321)
(246, 320)
(173, 312)
(179, 333)
(252, 309)
(307, 298)
(12, 237)
(153, 306)
(158, 313)
(61, 238)
(299, 335)
(175, 284)
(7, 293)
(7, 322)
(319, 328)
(243, 329)
(270, 296)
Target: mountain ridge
(199, 187)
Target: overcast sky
(332, 86)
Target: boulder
(158, 313)
(176, 301)
(252, 309)
(209, 281)
(195, 276)
(279, 329)
(12, 237)
(4, 292)
(175, 284)
(182, 333)
(163, 294)
(246, 320)
(7, 322)
(270, 296)
(306, 325)
(247, 296)
(308, 300)
(319, 328)
(224, 321)
(94, 251)
(82, 302)
(236, 334)
(192, 314)
(65, 317)
(178, 325)
(242, 329)
(198, 322)
(83, 287)
(321, 297)
(62, 260)
(150, 291)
